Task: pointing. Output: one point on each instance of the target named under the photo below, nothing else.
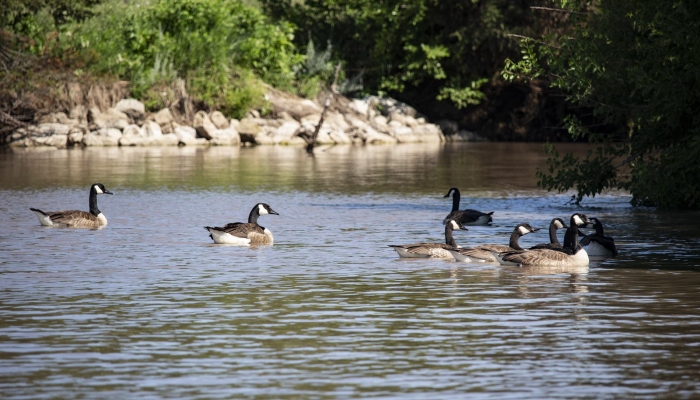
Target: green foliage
(634, 64)
(416, 50)
(217, 46)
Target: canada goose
(242, 233)
(468, 216)
(75, 218)
(431, 250)
(484, 252)
(597, 244)
(571, 255)
(553, 244)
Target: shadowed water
(148, 307)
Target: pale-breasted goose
(76, 218)
(597, 244)
(431, 250)
(468, 216)
(571, 255)
(553, 244)
(244, 234)
(485, 252)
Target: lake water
(148, 307)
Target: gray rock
(132, 107)
(169, 139)
(152, 130)
(112, 118)
(186, 135)
(75, 137)
(248, 130)
(48, 129)
(165, 119)
(133, 135)
(218, 119)
(102, 137)
(205, 128)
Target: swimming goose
(485, 252)
(468, 216)
(571, 255)
(597, 244)
(553, 244)
(244, 234)
(431, 250)
(76, 218)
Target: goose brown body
(431, 250)
(245, 233)
(75, 218)
(484, 252)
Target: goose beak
(535, 229)
(447, 195)
(273, 212)
(108, 192)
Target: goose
(597, 244)
(465, 217)
(244, 234)
(75, 218)
(557, 223)
(484, 252)
(431, 250)
(571, 255)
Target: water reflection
(148, 307)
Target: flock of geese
(573, 253)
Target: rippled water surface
(148, 307)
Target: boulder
(403, 119)
(428, 133)
(57, 140)
(186, 135)
(102, 137)
(235, 124)
(132, 107)
(152, 131)
(164, 118)
(218, 119)
(75, 136)
(225, 137)
(202, 123)
(296, 107)
(248, 130)
(112, 118)
(169, 139)
(133, 135)
(51, 128)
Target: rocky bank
(290, 121)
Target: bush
(219, 47)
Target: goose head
(524, 229)
(100, 189)
(455, 225)
(449, 192)
(265, 209)
(578, 219)
(559, 223)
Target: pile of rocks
(368, 121)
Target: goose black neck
(553, 234)
(514, 240)
(571, 239)
(599, 229)
(455, 199)
(253, 216)
(93, 202)
(449, 239)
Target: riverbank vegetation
(622, 76)
(634, 64)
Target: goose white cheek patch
(98, 190)
(262, 210)
(578, 220)
(523, 230)
(558, 225)
(455, 225)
